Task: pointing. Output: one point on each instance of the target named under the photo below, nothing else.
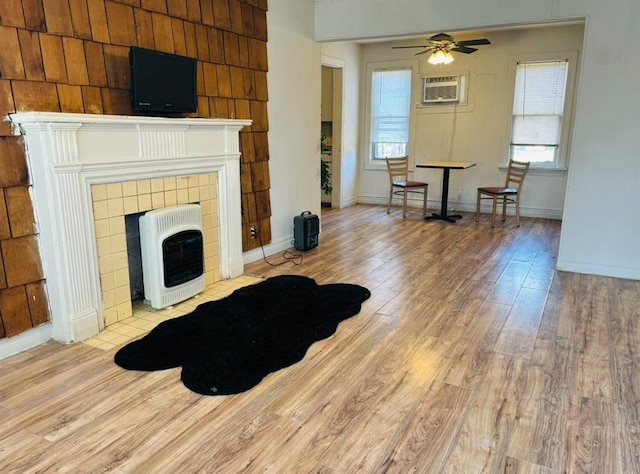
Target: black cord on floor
(287, 255)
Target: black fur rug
(228, 346)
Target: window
(390, 113)
(538, 112)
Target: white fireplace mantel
(68, 153)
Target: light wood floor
(472, 355)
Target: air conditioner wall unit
(440, 89)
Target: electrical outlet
(459, 195)
(254, 232)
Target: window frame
(371, 163)
(566, 125)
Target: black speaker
(306, 228)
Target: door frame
(337, 65)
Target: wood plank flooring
(472, 355)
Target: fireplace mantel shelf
(57, 117)
(68, 153)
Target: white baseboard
(271, 248)
(349, 202)
(615, 271)
(463, 207)
(26, 340)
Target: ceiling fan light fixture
(440, 57)
(448, 58)
(437, 57)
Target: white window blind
(538, 107)
(391, 99)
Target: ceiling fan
(442, 44)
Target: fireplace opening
(134, 255)
(172, 251)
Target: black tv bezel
(159, 109)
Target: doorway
(331, 131)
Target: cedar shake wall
(72, 56)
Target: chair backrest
(398, 168)
(516, 174)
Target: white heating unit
(172, 254)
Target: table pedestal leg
(445, 198)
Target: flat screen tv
(162, 83)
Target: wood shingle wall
(72, 56)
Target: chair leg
(478, 207)
(493, 211)
(404, 203)
(390, 198)
(504, 208)
(517, 211)
(424, 202)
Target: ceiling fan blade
(464, 49)
(473, 42)
(422, 52)
(403, 47)
(441, 37)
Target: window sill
(445, 108)
(376, 166)
(540, 171)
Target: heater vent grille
(172, 217)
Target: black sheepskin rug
(228, 346)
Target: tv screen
(162, 83)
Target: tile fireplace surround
(72, 154)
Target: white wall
(481, 131)
(601, 224)
(294, 81)
(347, 54)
